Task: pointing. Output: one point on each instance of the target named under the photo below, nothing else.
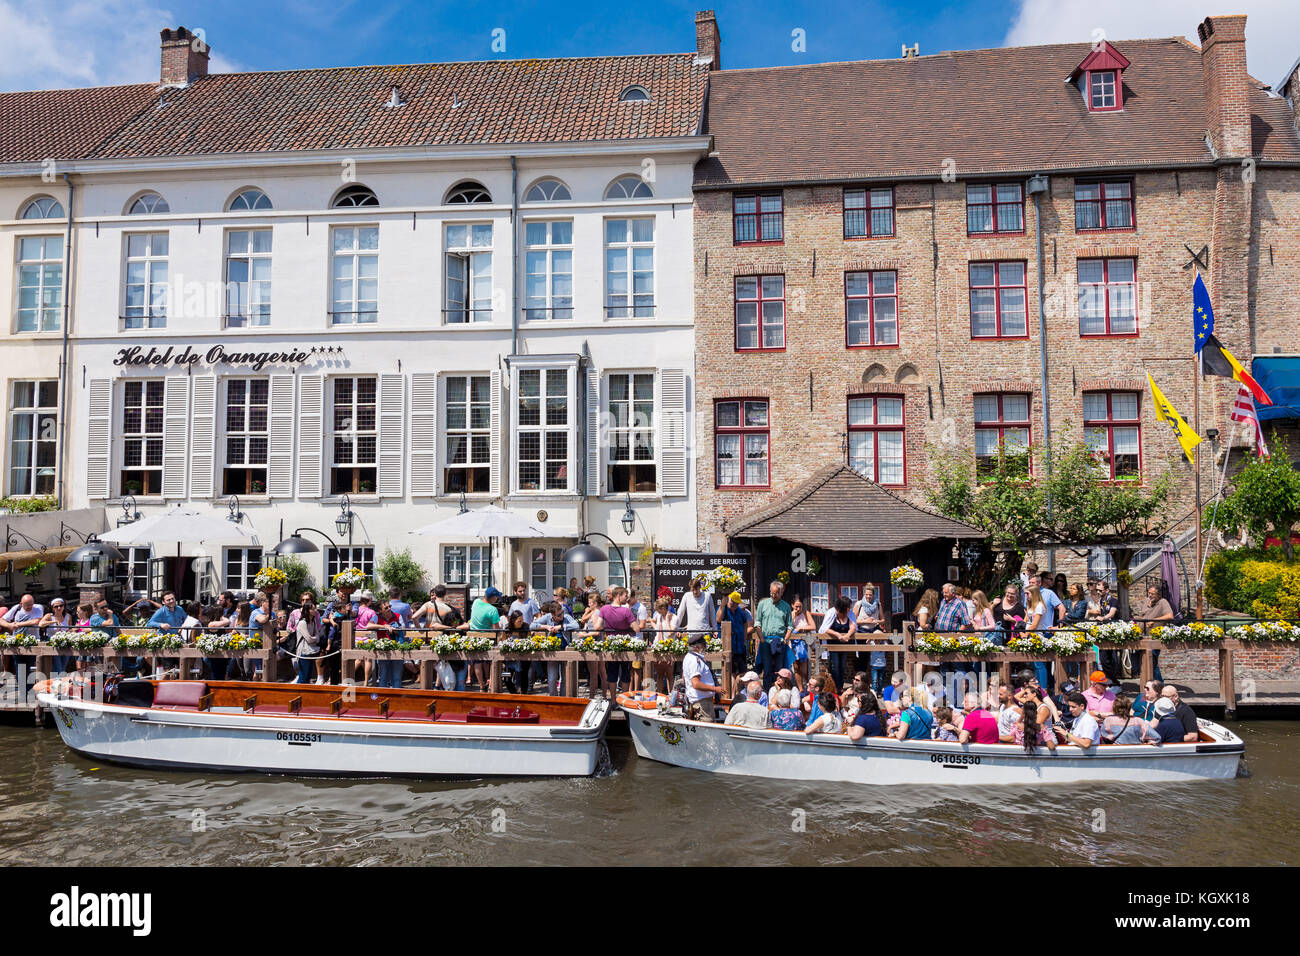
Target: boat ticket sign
(137, 356)
(675, 569)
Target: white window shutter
(392, 408)
(593, 433)
(494, 482)
(672, 432)
(424, 434)
(279, 459)
(176, 414)
(203, 437)
(311, 436)
(99, 437)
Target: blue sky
(61, 43)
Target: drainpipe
(63, 361)
(1037, 186)
(514, 257)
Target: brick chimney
(708, 43)
(1227, 84)
(184, 58)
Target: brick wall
(1250, 664)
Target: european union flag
(1202, 314)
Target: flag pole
(1196, 466)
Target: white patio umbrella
(483, 523)
(178, 524)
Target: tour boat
(666, 736)
(320, 730)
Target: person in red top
(979, 724)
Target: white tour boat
(666, 736)
(318, 730)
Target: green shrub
(398, 569)
(29, 505)
(299, 575)
(1253, 581)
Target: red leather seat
(179, 694)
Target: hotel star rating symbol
(326, 349)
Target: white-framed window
(628, 553)
(247, 436)
(467, 564)
(241, 566)
(354, 430)
(547, 190)
(629, 268)
(630, 446)
(547, 570)
(354, 270)
(142, 437)
(629, 187)
(146, 281)
(132, 572)
(361, 557)
(876, 432)
(248, 277)
(250, 200)
(148, 204)
(543, 429)
(33, 437)
(548, 269)
(39, 283)
(467, 425)
(43, 207)
(819, 597)
(896, 599)
(469, 273)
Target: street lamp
(94, 557)
(584, 552)
(297, 544)
(129, 513)
(629, 517)
(343, 523)
(235, 514)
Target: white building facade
(392, 331)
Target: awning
(18, 560)
(1279, 375)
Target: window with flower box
(741, 441)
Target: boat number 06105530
(954, 758)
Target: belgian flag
(1217, 360)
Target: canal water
(58, 808)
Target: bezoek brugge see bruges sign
(136, 356)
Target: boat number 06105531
(954, 758)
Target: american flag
(1243, 410)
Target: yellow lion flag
(1168, 414)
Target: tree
(1002, 500)
(398, 569)
(1264, 498)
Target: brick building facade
(863, 192)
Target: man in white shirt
(26, 611)
(1084, 732)
(750, 713)
(1008, 714)
(697, 613)
(701, 686)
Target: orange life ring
(638, 701)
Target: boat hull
(325, 747)
(791, 755)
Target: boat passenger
(1008, 714)
(809, 705)
(978, 724)
(742, 694)
(784, 681)
(829, 720)
(1084, 731)
(1168, 727)
(915, 722)
(786, 716)
(870, 721)
(1191, 730)
(702, 690)
(1101, 699)
(1035, 726)
(1122, 727)
(1145, 706)
(945, 730)
(750, 713)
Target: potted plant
(259, 486)
(34, 569)
(367, 486)
(906, 577)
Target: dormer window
(634, 94)
(1100, 78)
(1102, 90)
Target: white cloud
(100, 43)
(1272, 26)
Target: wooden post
(494, 681)
(1228, 680)
(725, 631)
(571, 678)
(426, 675)
(1147, 669)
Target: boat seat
(451, 719)
(179, 694)
(407, 715)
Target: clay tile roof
(65, 124)
(839, 510)
(500, 101)
(1003, 110)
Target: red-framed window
(741, 443)
(1104, 205)
(1108, 297)
(868, 213)
(877, 446)
(1104, 91)
(871, 308)
(760, 313)
(999, 306)
(995, 209)
(1001, 428)
(1112, 428)
(758, 217)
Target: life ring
(642, 700)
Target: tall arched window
(547, 190)
(629, 187)
(251, 199)
(467, 194)
(148, 204)
(355, 195)
(43, 207)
